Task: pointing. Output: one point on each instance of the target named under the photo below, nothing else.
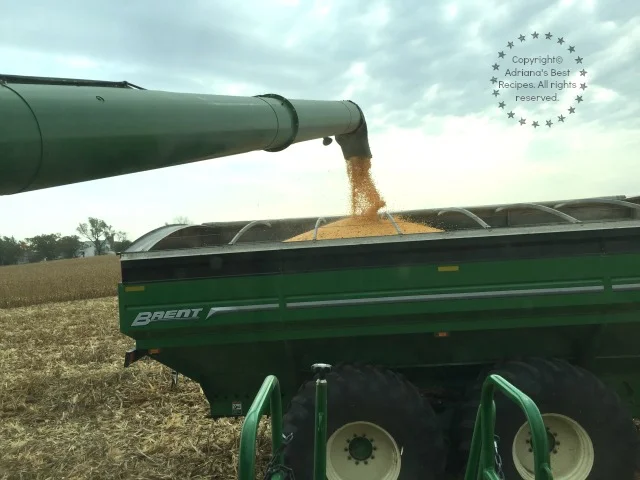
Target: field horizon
(59, 280)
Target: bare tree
(119, 241)
(98, 233)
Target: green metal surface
(52, 134)
(320, 441)
(481, 462)
(450, 303)
(478, 331)
(268, 396)
(478, 296)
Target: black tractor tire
(561, 388)
(368, 394)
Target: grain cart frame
(546, 295)
(413, 322)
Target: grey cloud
(159, 36)
(409, 72)
(171, 44)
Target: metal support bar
(595, 201)
(320, 444)
(315, 229)
(76, 82)
(481, 463)
(466, 212)
(392, 220)
(133, 355)
(269, 394)
(542, 208)
(247, 227)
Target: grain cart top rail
(518, 231)
(488, 221)
(56, 131)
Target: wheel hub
(551, 441)
(362, 451)
(570, 448)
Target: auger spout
(60, 131)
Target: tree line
(100, 235)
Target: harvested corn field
(59, 280)
(68, 408)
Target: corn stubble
(366, 202)
(69, 410)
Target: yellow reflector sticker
(153, 351)
(135, 288)
(449, 268)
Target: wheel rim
(570, 449)
(362, 450)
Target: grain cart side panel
(179, 333)
(418, 298)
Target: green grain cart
(537, 302)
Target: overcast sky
(421, 72)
